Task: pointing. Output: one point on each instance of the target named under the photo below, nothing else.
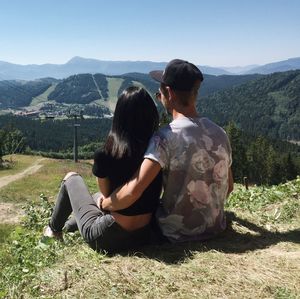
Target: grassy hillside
(17, 164)
(265, 104)
(114, 85)
(44, 96)
(88, 88)
(257, 257)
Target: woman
(135, 120)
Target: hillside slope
(88, 88)
(257, 257)
(264, 104)
(20, 93)
(269, 106)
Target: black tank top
(119, 171)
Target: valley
(261, 114)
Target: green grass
(46, 180)
(258, 256)
(42, 97)
(17, 163)
(275, 204)
(5, 231)
(114, 85)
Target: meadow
(258, 256)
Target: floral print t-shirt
(195, 156)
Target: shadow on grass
(230, 241)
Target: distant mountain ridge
(79, 65)
(280, 66)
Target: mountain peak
(76, 59)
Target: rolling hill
(269, 105)
(263, 104)
(97, 88)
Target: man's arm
(126, 195)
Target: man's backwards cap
(179, 75)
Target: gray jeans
(99, 230)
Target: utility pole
(75, 147)
(75, 139)
(75, 115)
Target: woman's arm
(104, 186)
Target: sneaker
(48, 232)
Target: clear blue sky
(211, 32)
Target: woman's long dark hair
(134, 122)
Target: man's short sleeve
(101, 164)
(158, 150)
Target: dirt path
(14, 177)
(11, 213)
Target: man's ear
(170, 93)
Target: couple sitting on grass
(170, 183)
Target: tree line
(261, 160)
(269, 105)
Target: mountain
(16, 93)
(95, 88)
(237, 70)
(264, 104)
(268, 105)
(79, 65)
(280, 66)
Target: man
(195, 157)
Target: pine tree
(240, 163)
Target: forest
(260, 159)
(269, 106)
(261, 114)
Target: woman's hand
(99, 204)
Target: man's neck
(189, 111)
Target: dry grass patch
(46, 180)
(210, 274)
(237, 265)
(17, 163)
